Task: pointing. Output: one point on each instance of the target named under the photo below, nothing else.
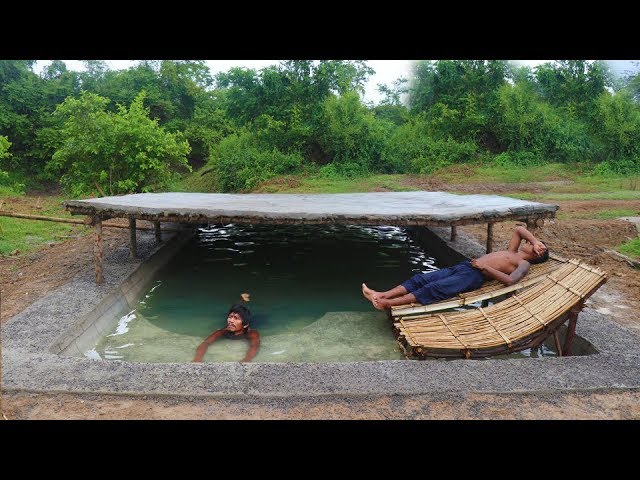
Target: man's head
(238, 318)
(538, 257)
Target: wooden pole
(42, 217)
(156, 226)
(133, 246)
(98, 252)
(534, 223)
(489, 237)
(454, 233)
(557, 340)
(571, 331)
(86, 221)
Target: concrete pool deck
(29, 363)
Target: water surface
(304, 282)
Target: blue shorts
(443, 284)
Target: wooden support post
(557, 340)
(489, 237)
(158, 231)
(534, 223)
(571, 331)
(133, 247)
(454, 233)
(98, 252)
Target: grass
(630, 248)
(491, 173)
(600, 214)
(28, 235)
(318, 184)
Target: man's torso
(504, 261)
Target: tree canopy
(140, 128)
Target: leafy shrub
(350, 134)
(124, 152)
(239, 164)
(411, 148)
(4, 153)
(617, 122)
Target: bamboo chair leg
(557, 340)
(571, 331)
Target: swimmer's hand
(245, 297)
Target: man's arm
(254, 345)
(520, 234)
(520, 271)
(202, 349)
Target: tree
(393, 94)
(631, 81)
(21, 102)
(4, 153)
(574, 85)
(459, 96)
(123, 152)
(450, 82)
(618, 124)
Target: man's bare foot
(367, 292)
(378, 303)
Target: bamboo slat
(521, 321)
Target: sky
(387, 71)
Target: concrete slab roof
(392, 208)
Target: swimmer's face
(234, 322)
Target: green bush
(411, 149)
(617, 122)
(525, 123)
(124, 152)
(4, 153)
(442, 153)
(288, 137)
(239, 164)
(343, 170)
(350, 134)
(517, 159)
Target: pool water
(304, 285)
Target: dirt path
(521, 406)
(25, 279)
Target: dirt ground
(24, 279)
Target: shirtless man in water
(238, 321)
(507, 266)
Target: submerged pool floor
(304, 283)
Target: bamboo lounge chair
(490, 290)
(522, 321)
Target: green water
(304, 283)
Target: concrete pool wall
(124, 298)
(33, 340)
